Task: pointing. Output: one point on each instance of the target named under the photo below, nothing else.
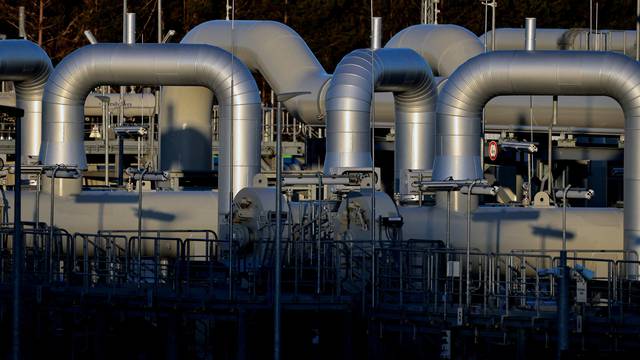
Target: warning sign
(493, 150)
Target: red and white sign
(493, 150)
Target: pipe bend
(498, 73)
(445, 47)
(348, 104)
(158, 64)
(29, 67)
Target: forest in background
(331, 28)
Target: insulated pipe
(493, 74)
(28, 66)
(564, 39)
(157, 64)
(348, 103)
(444, 47)
(274, 50)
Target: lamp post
(277, 288)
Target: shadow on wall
(176, 138)
(155, 215)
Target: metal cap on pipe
(376, 33)
(530, 34)
(89, 35)
(131, 28)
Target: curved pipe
(348, 103)
(28, 66)
(444, 47)
(157, 64)
(268, 47)
(461, 101)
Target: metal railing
(382, 274)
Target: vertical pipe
(554, 120)
(563, 301)
(17, 247)
(590, 24)
(486, 18)
(124, 20)
(276, 320)
(468, 260)
(376, 33)
(493, 25)
(131, 28)
(129, 38)
(530, 30)
(105, 133)
(139, 242)
(638, 31)
(159, 21)
(21, 19)
(530, 45)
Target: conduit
(444, 47)
(348, 103)
(273, 49)
(463, 97)
(28, 66)
(156, 64)
(623, 41)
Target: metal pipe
(129, 38)
(554, 120)
(89, 35)
(530, 31)
(274, 50)
(494, 4)
(124, 20)
(622, 41)
(468, 253)
(48, 248)
(156, 64)
(348, 103)
(444, 47)
(539, 73)
(139, 242)
(376, 33)
(160, 21)
(22, 33)
(131, 28)
(106, 122)
(276, 300)
(638, 30)
(18, 249)
(563, 303)
(28, 66)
